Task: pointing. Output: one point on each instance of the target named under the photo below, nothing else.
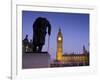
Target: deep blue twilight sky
(74, 27)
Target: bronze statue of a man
(40, 27)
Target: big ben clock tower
(59, 46)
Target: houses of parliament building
(66, 59)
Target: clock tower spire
(59, 46)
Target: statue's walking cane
(48, 42)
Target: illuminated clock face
(59, 38)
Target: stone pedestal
(35, 60)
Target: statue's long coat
(39, 30)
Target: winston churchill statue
(41, 27)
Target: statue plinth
(36, 60)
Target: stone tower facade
(59, 46)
